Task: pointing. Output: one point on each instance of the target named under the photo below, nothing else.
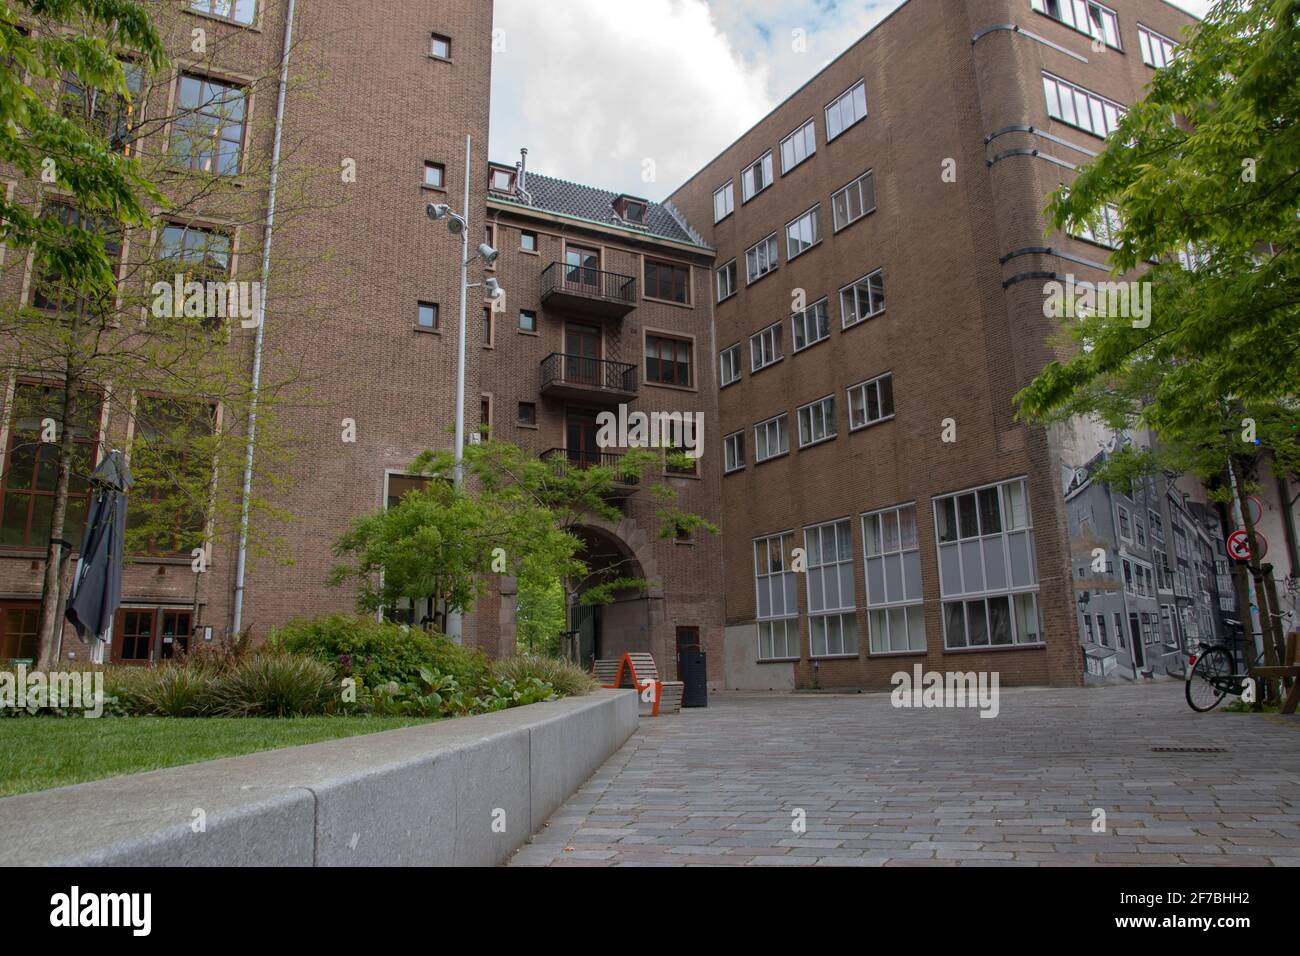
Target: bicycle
(1213, 675)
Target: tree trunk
(1268, 624)
(51, 621)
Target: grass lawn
(41, 752)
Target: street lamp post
(459, 224)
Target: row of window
(859, 301)
(847, 109)
(870, 402)
(848, 204)
(989, 585)
(1100, 22)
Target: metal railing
(562, 368)
(585, 458)
(589, 282)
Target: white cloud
(595, 88)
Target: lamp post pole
(455, 622)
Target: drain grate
(1190, 750)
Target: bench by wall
(426, 796)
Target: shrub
(567, 679)
(173, 691)
(275, 685)
(377, 652)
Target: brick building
(880, 289)
(850, 293)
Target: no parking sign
(1239, 545)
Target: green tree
(515, 515)
(1204, 178)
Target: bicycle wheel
(1210, 679)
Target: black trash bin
(694, 677)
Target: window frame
(876, 380)
(773, 246)
(764, 164)
(1041, 6)
(808, 129)
(1075, 90)
(778, 351)
(837, 103)
(787, 581)
(215, 133)
(659, 337)
(798, 319)
(194, 7)
(836, 225)
(811, 215)
(781, 422)
(434, 38)
(733, 452)
(729, 188)
(829, 417)
(909, 606)
(723, 380)
(674, 268)
(420, 306)
(847, 607)
(441, 170)
(853, 287)
(1147, 48)
(717, 285)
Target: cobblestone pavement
(912, 787)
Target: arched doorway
(627, 623)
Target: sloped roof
(596, 205)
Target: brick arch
(638, 545)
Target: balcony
(586, 291)
(584, 379)
(564, 459)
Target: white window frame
(805, 138)
(1157, 49)
(749, 186)
(865, 388)
(776, 428)
(1123, 517)
(772, 250)
(764, 576)
(826, 583)
(729, 358)
(804, 230)
(849, 96)
(733, 452)
(820, 410)
(1103, 114)
(769, 350)
(859, 317)
(815, 318)
(721, 270)
(905, 553)
(852, 188)
(1010, 522)
(1070, 12)
(727, 192)
(1106, 231)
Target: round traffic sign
(1239, 545)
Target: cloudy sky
(636, 95)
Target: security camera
(436, 211)
(487, 253)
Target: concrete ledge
(425, 796)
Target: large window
(667, 280)
(803, 233)
(772, 438)
(729, 362)
(19, 631)
(49, 291)
(1157, 49)
(727, 280)
(241, 11)
(756, 177)
(832, 621)
(113, 116)
(1088, 111)
(798, 146)
(761, 258)
(171, 462)
(854, 201)
(811, 325)
(777, 598)
(871, 402)
(765, 347)
(201, 255)
(863, 299)
(1105, 231)
(209, 133)
(1086, 16)
(988, 574)
(817, 421)
(724, 201)
(667, 360)
(846, 109)
(895, 615)
(733, 452)
(31, 465)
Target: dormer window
(502, 179)
(631, 209)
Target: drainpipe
(241, 559)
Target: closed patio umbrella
(97, 587)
